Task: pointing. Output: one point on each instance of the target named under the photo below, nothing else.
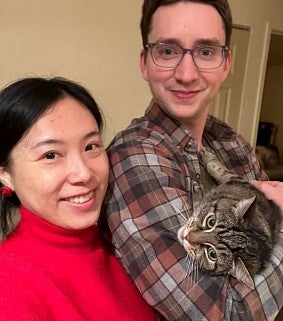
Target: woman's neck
(44, 231)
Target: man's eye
(206, 52)
(167, 51)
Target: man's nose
(186, 71)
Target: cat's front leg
(208, 158)
(215, 168)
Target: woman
(54, 173)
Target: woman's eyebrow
(52, 141)
(92, 134)
(48, 141)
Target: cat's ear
(241, 273)
(245, 207)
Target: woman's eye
(210, 221)
(211, 254)
(51, 155)
(91, 147)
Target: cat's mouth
(182, 233)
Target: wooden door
(227, 103)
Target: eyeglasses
(205, 57)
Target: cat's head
(217, 239)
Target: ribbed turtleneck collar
(36, 227)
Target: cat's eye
(210, 221)
(211, 253)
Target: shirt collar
(171, 127)
(215, 129)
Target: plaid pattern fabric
(154, 173)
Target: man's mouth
(184, 93)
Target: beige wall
(97, 43)
(263, 17)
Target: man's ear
(228, 64)
(143, 66)
(5, 177)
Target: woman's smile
(80, 199)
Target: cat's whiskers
(192, 274)
(188, 264)
(184, 218)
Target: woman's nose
(79, 171)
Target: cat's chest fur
(233, 228)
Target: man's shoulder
(221, 134)
(141, 130)
(219, 129)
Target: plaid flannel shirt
(154, 172)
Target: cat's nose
(182, 234)
(190, 238)
(200, 237)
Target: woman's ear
(5, 177)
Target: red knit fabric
(48, 273)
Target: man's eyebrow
(172, 41)
(208, 42)
(198, 42)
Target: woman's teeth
(80, 199)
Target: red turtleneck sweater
(48, 273)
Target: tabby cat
(233, 228)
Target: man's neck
(196, 127)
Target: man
(155, 168)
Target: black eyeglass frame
(224, 48)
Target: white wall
(98, 42)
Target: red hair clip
(6, 191)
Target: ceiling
(275, 56)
